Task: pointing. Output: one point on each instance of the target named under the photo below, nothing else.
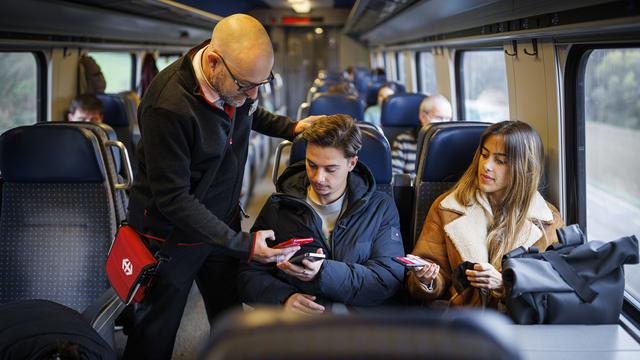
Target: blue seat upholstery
(371, 94)
(58, 216)
(373, 88)
(112, 157)
(330, 104)
(392, 334)
(375, 153)
(446, 152)
(400, 112)
(115, 115)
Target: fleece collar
(468, 233)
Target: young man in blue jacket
(332, 198)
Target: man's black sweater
(182, 137)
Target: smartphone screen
(409, 262)
(308, 256)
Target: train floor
(194, 328)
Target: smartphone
(309, 256)
(293, 242)
(410, 262)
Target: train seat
(58, 216)
(116, 160)
(400, 112)
(116, 116)
(446, 150)
(330, 104)
(375, 153)
(371, 97)
(131, 101)
(393, 334)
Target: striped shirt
(403, 153)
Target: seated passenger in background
(373, 113)
(494, 208)
(434, 108)
(332, 198)
(85, 108)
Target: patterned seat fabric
(445, 152)
(58, 216)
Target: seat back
(116, 161)
(411, 334)
(116, 116)
(58, 216)
(400, 112)
(330, 104)
(445, 154)
(375, 154)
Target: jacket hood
(294, 182)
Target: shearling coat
(454, 233)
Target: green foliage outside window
(18, 90)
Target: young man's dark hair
(85, 107)
(332, 198)
(338, 131)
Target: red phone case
(293, 242)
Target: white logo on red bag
(127, 267)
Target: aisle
(194, 328)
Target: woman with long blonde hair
(494, 208)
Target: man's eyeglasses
(246, 85)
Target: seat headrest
(375, 153)
(372, 92)
(331, 104)
(449, 150)
(401, 110)
(113, 110)
(98, 129)
(50, 154)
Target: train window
(18, 89)
(427, 73)
(390, 66)
(482, 84)
(611, 116)
(117, 68)
(165, 60)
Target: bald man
(434, 108)
(197, 114)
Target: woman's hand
(485, 276)
(426, 274)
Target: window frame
(459, 77)
(575, 155)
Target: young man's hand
(303, 304)
(305, 272)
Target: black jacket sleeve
(258, 283)
(273, 125)
(377, 279)
(167, 159)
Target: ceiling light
(301, 7)
(318, 30)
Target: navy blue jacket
(359, 269)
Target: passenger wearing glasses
(494, 208)
(434, 108)
(197, 114)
